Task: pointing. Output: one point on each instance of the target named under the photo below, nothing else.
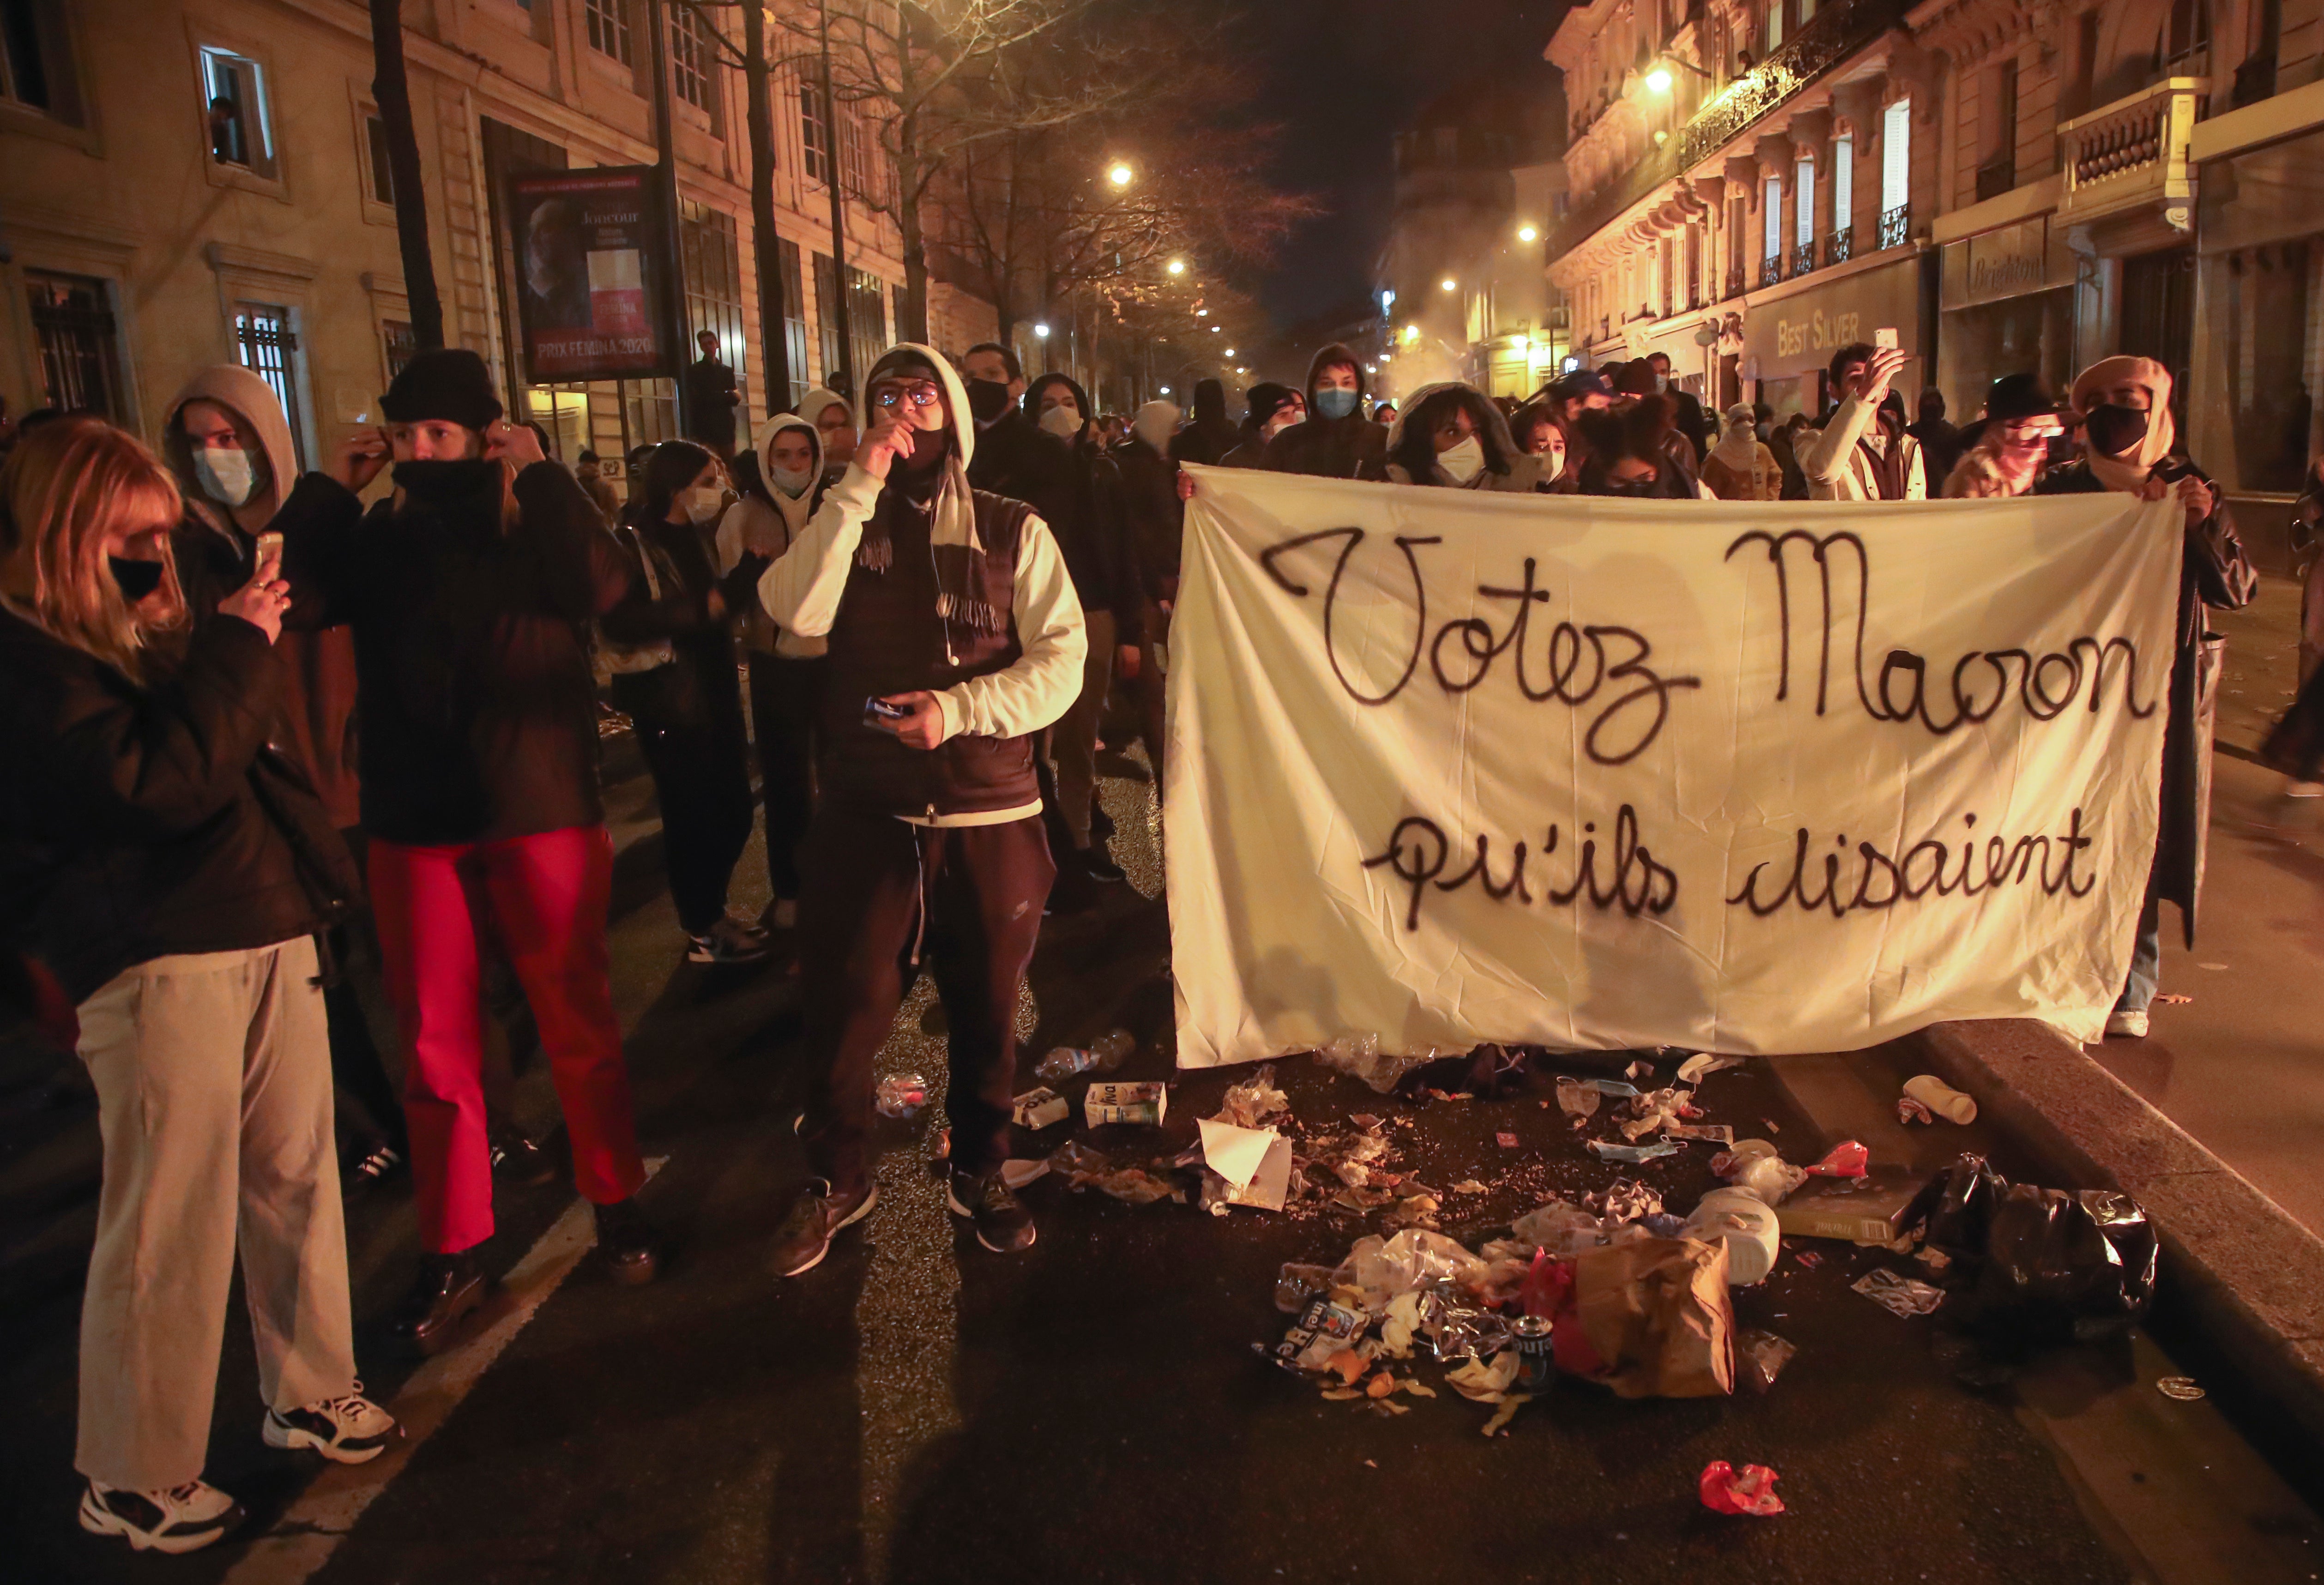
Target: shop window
(36, 70)
(234, 88)
(609, 28)
(648, 412)
(269, 348)
(80, 343)
(690, 57)
(2270, 293)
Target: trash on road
(1116, 1102)
(1754, 1164)
(900, 1094)
(1360, 1058)
(2028, 1265)
(1103, 1055)
(1749, 1491)
(1703, 1065)
(1017, 1172)
(1857, 1211)
(1040, 1109)
(1747, 1226)
(1900, 1296)
(1245, 1167)
(1847, 1159)
(1930, 1098)
(1249, 1104)
(2185, 1388)
(1760, 1358)
(1633, 1154)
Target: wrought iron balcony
(1735, 281)
(1897, 227)
(1839, 246)
(2133, 153)
(1771, 270)
(1804, 261)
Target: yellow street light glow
(1230, 352)
(1449, 284)
(1412, 333)
(1216, 329)
(1528, 234)
(1659, 79)
(1177, 266)
(1120, 174)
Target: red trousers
(545, 897)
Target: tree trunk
(774, 337)
(392, 91)
(907, 220)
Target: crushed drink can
(1535, 1365)
(1119, 1103)
(1322, 1330)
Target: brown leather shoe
(450, 1286)
(818, 1213)
(626, 1240)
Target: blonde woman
(172, 874)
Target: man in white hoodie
(1865, 453)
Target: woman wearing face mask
(780, 487)
(172, 873)
(2011, 448)
(1450, 436)
(229, 444)
(1741, 467)
(2124, 404)
(688, 709)
(834, 418)
(1630, 456)
(1539, 432)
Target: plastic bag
(1381, 1268)
(1359, 1058)
(1249, 1105)
(1749, 1491)
(2027, 1264)
(1560, 1227)
(1760, 1358)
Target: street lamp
(1449, 284)
(1042, 331)
(1216, 329)
(1165, 391)
(1120, 175)
(1528, 234)
(1230, 352)
(1659, 77)
(1177, 266)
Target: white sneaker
(2124, 1025)
(350, 1429)
(184, 1518)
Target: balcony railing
(1839, 246)
(1804, 260)
(2133, 153)
(1771, 270)
(1897, 227)
(1734, 281)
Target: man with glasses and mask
(955, 636)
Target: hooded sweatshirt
(1354, 447)
(1210, 434)
(752, 527)
(810, 408)
(1741, 467)
(1519, 470)
(314, 724)
(1091, 534)
(922, 583)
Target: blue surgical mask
(1335, 404)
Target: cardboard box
(1868, 1210)
(1113, 1102)
(1040, 1109)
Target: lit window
(609, 28)
(268, 348)
(1774, 228)
(234, 90)
(1804, 222)
(814, 133)
(1843, 183)
(1897, 157)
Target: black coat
(138, 822)
(2213, 573)
(1143, 487)
(701, 685)
(472, 650)
(1016, 457)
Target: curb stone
(2235, 1265)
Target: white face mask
(1662, 384)
(225, 474)
(1463, 461)
(703, 502)
(792, 482)
(1283, 419)
(1062, 422)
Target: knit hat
(1266, 399)
(1579, 383)
(1637, 379)
(446, 382)
(2018, 396)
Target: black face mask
(2113, 428)
(987, 399)
(137, 578)
(929, 447)
(446, 481)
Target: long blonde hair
(68, 487)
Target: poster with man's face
(589, 264)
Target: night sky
(1343, 77)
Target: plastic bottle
(902, 1095)
(1748, 1227)
(1101, 1056)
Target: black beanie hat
(447, 383)
(2018, 396)
(1267, 398)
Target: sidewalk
(2241, 1065)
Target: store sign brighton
(2010, 261)
(1801, 332)
(1451, 767)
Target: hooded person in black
(1336, 440)
(470, 591)
(1273, 410)
(1210, 435)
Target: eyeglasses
(921, 394)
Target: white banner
(1448, 767)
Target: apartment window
(856, 161)
(867, 317)
(713, 265)
(689, 58)
(1896, 174)
(2186, 44)
(80, 344)
(1843, 184)
(269, 349)
(609, 28)
(1804, 217)
(399, 343)
(1775, 27)
(233, 87)
(814, 133)
(35, 65)
(379, 172)
(1774, 229)
(826, 316)
(1996, 169)
(794, 322)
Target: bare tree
(391, 89)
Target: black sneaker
(1003, 1223)
(184, 1518)
(449, 1288)
(628, 1242)
(819, 1211)
(518, 1160)
(380, 1163)
(1098, 865)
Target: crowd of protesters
(267, 740)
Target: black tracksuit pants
(869, 878)
(786, 702)
(688, 716)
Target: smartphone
(1884, 336)
(270, 547)
(880, 710)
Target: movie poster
(589, 263)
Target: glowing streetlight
(1448, 284)
(1120, 175)
(1165, 391)
(1659, 79)
(1177, 266)
(1042, 331)
(1230, 352)
(1412, 333)
(1216, 329)
(1202, 313)
(1528, 234)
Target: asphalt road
(917, 1409)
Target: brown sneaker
(818, 1213)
